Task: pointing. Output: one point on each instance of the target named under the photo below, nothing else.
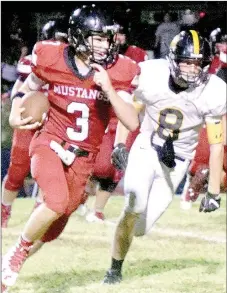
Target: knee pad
(55, 229)
(106, 184)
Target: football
(35, 104)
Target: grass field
(185, 253)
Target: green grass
(166, 261)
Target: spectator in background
(189, 19)
(164, 34)
(15, 50)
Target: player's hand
(119, 157)
(16, 121)
(101, 78)
(210, 203)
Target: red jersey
(24, 67)
(79, 112)
(137, 54)
(216, 64)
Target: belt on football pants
(76, 150)
(158, 148)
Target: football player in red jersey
(105, 176)
(86, 80)
(19, 166)
(199, 169)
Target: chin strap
(180, 82)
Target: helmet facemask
(80, 41)
(182, 51)
(187, 78)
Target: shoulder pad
(46, 53)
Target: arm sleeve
(214, 129)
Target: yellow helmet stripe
(195, 39)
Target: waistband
(74, 149)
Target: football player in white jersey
(178, 95)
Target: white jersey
(180, 115)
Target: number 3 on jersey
(170, 121)
(82, 121)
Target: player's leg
(56, 197)
(197, 183)
(161, 194)
(18, 170)
(105, 187)
(107, 177)
(197, 171)
(76, 178)
(103, 175)
(55, 229)
(138, 180)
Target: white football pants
(149, 185)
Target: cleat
(82, 210)
(185, 205)
(6, 213)
(12, 262)
(186, 202)
(112, 277)
(4, 289)
(97, 217)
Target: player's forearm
(215, 167)
(125, 112)
(16, 105)
(32, 83)
(121, 134)
(16, 101)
